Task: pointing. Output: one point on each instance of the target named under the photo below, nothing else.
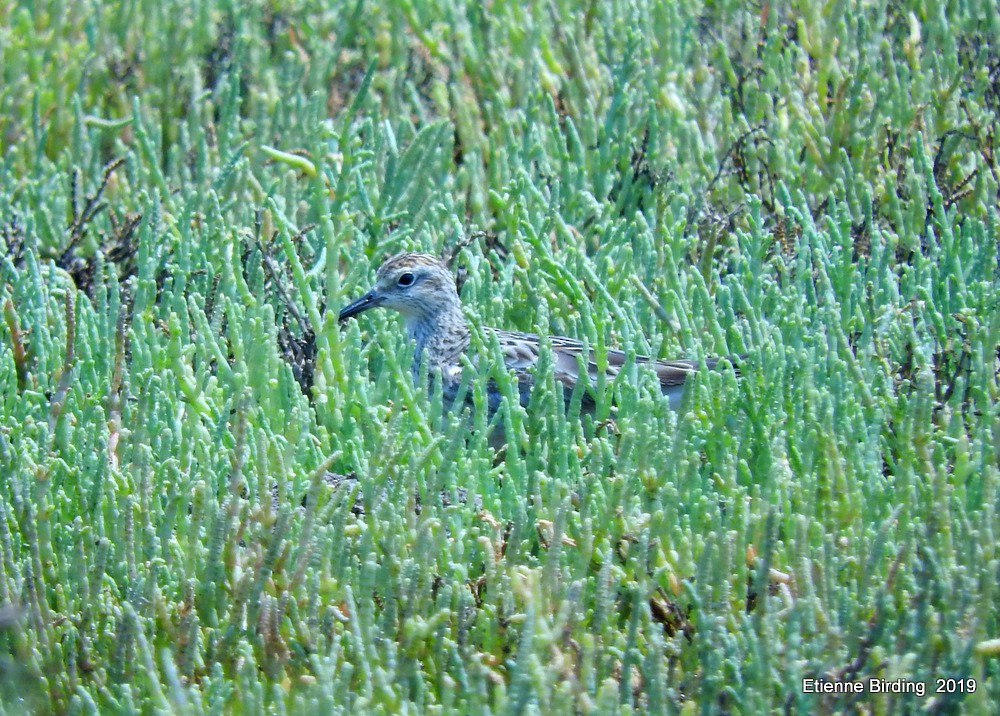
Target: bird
(422, 289)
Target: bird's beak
(369, 300)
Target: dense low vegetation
(214, 498)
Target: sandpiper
(422, 289)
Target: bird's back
(521, 353)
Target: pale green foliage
(811, 187)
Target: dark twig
(697, 207)
(939, 155)
(92, 206)
(271, 266)
(986, 148)
(848, 672)
(449, 255)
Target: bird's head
(419, 286)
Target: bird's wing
(521, 354)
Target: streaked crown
(408, 261)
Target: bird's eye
(405, 279)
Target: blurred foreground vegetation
(215, 499)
